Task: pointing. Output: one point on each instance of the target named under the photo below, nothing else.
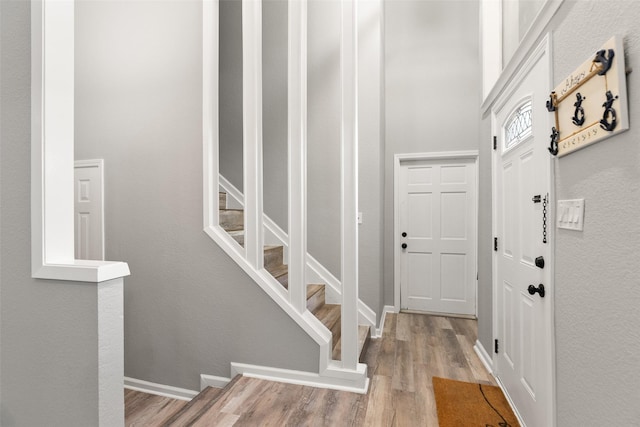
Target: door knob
(540, 290)
(404, 234)
(540, 262)
(404, 246)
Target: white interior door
(438, 236)
(521, 184)
(89, 217)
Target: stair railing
(253, 253)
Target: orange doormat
(462, 404)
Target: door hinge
(495, 142)
(495, 346)
(495, 244)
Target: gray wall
(275, 109)
(432, 89)
(230, 83)
(323, 165)
(49, 347)
(597, 283)
(189, 309)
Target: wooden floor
(413, 349)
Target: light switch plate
(570, 214)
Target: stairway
(232, 221)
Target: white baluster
(297, 123)
(252, 130)
(349, 144)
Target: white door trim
(543, 48)
(397, 160)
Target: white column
(252, 130)
(210, 129)
(297, 107)
(52, 103)
(349, 143)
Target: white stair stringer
(315, 271)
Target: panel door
(89, 226)
(438, 256)
(521, 186)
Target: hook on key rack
(553, 145)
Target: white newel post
(349, 69)
(252, 130)
(52, 207)
(297, 101)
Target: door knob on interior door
(540, 262)
(540, 290)
(404, 246)
(404, 234)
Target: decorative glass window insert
(518, 127)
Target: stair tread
(279, 270)
(327, 314)
(199, 405)
(313, 289)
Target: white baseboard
(334, 379)
(385, 310)
(486, 360)
(159, 389)
(213, 381)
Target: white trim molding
(159, 389)
(379, 330)
(484, 357)
(333, 377)
(52, 150)
(213, 381)
(493, 18)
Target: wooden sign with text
(590, 104)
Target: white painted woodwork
(491, 32)
(297, 159)
(252, 131)
(210, 113)
(349, 182)
(251, 261)
(89, 209)
(512, 68)
(523, 322)
(52, 154)
(438, 213)
(332, 374)
(52, 128)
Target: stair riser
(273, 257)
(232, 220)
(222, 200)
(316, 301)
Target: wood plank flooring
(413, 349)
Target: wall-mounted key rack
(591, 103)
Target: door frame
(544, 48)
(429, 156)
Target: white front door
(438, 236)
(521, 192)
(89, 219)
